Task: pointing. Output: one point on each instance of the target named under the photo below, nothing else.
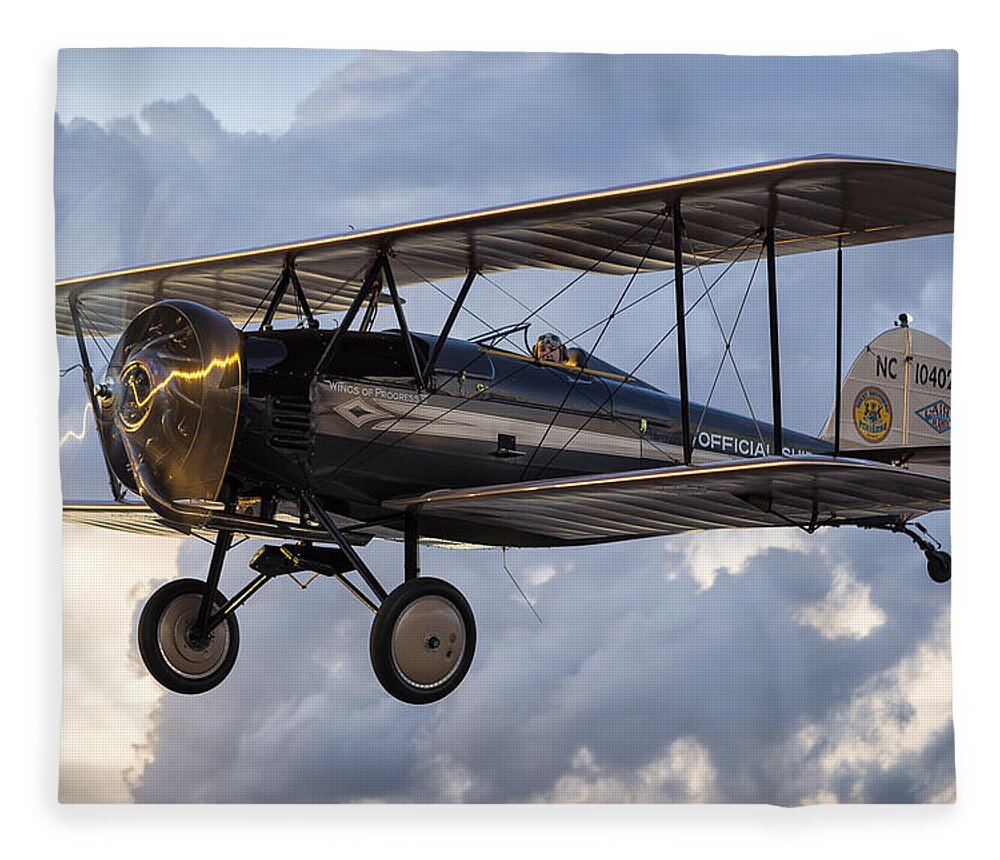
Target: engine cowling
(169, 403)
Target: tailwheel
(938, 565)
(422, 640)
(174, 656)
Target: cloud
(707, 557)
(877, 748)
(187, 123)
(397, 136)
(541, 574)
(673, 692)
(108, 699)
(682, 772)
(846, 609)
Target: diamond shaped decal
(360, 412)
(937, 415)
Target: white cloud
(541, 574)
(891, 721)
(681, 772)
(450, 780)
(846, 610)
(709, 554)
(108, 728)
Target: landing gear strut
(938, 561)
(424, 635)
(421, 644)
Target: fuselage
(361, 431)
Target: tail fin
(896, 396)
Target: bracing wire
(94, 333)
(351, 457)
(464, 307)
(339, 289)
(260, 304)
(607, 323)
(517, 301)
(551, 370)
(728, 351)
(518, 587)
(655, 347)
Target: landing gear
(938, 561)
(188, 633)
(421, 644)
(422, 640)
(175, 655)
(424, 634)
(938, 565)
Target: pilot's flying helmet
(549, 342)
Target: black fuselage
(361, 431)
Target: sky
(762, 666)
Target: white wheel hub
(428, 641)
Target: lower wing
(797, 491)
(139, 518)
(794, 491)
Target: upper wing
(803, 491)
(814, 202)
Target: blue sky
(756, 666)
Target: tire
(939, 566)
(169, 656)
(422, 641)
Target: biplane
(317, 437)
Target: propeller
(168, 406)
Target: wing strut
(279, 293)
(682, 368)
(452, 316)
(301, 296)
(288, 276)
(370, 282)
(772, 305)
(411, 350)
(840, 343)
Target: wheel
(165, 644)
(939, 566)
(422, 640)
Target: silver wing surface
(133, 517)
(139, 518)
(803, 491)
(814, 203)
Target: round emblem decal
(872, 414)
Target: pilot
(550, 348)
